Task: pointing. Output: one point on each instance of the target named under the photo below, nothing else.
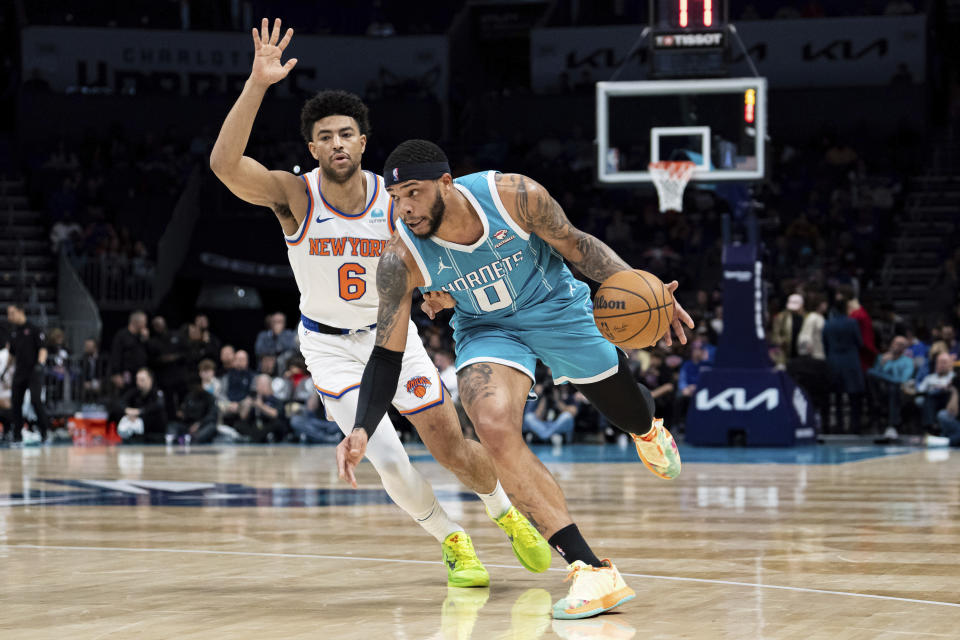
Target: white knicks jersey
(334, 256)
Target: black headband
(418, 171)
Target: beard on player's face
(436, 217)
(341, 174)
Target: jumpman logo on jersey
(442, 266)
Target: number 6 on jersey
(352, 286)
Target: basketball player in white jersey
(336, 220)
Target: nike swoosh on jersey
(319, 219)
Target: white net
(670, 179)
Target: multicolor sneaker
(658, 451)
(464, 568)
(460, 610)
(531, 549)
(594, 590)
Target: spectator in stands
(227, 353)
(841, 343)
(282, 387)
(949, 337)
(689, 376)
(949, 421)
(90, 371)
(551, 416)
(65, 234)
(786, 327)
(144, 416)
(934, 389)
(812, 329)
(310, 424)
(261, 414)
(812, 374)
(207, 337)
(892, 369)
(868, 347)
(237, 382)
(276, 340)
(128, 353)
(58, 358)
(207, 371)
(166, 353)
(196, 421)
(661, 383)
(298, 381)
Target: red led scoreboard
(688, 38)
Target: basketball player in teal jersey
(494, 243)
(335, 219)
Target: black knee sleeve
(626, 403)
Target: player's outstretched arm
(535, 210)
(245, 177)
(397, 277)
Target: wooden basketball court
(836, 542)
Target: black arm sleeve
(377, 387)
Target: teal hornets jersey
(507, 270)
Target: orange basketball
(633, 309)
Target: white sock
(497, 503)
(438, 523)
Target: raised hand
(268, 48)
(679, 315)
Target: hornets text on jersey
(506, 270)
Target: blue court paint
(129, 493)
(815, 454)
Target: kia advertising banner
(191, 63)
(741, 399)
(818, 52)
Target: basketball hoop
(671, 178)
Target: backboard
(718, 123)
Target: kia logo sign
(735, 399)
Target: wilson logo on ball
(603, 303)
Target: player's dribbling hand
(679, 316)
(436, 301)
(268, 48)
(349, 454)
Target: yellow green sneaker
(464, 568)
(531, 549)
(658, 451)
(460, 610)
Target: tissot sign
(191, 62)
(790, 53)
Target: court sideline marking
(256, 554)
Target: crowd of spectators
(110, 196)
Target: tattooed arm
(535, 210)
(397, 277)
